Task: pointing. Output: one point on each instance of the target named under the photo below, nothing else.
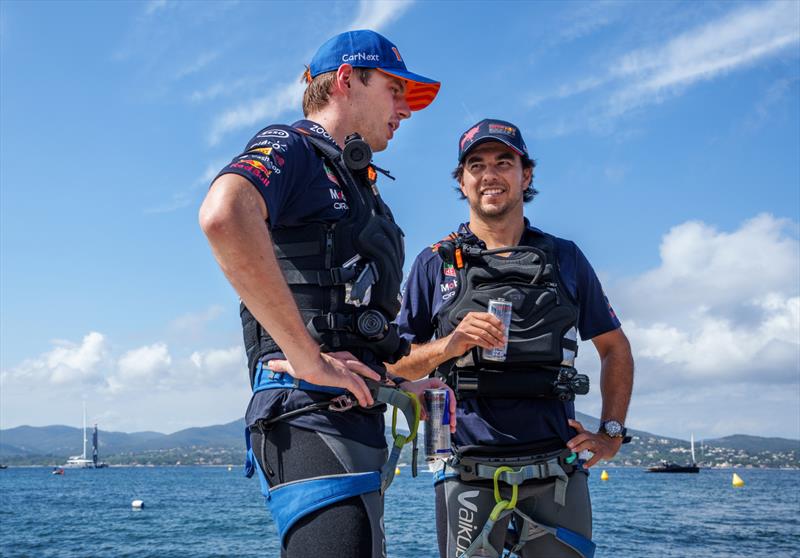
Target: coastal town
(645, 451)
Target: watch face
(613, 428)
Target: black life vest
(330, 268)
(543, 330)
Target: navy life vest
(542, 341)
(345, 276)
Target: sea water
(211, 512)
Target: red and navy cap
(368, 49)
(492, 130)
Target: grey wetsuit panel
(463, 508)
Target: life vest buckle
(340, 403)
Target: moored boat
(673, 468)
(667, 467)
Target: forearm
(421, 361)
(616, 381)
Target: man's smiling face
(494, 180)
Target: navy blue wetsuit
(298, 188)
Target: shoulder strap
(328, 150)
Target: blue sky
(667, 138)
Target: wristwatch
(613, 429)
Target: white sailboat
(81, 461)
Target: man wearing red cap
(514, 478)
(299, 229)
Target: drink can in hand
(501, 309)
(437, 425)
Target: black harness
(542, 339)
(346, 276)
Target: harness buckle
(340, 403)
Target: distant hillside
(224, 444)
(26, 443)
(755, 443)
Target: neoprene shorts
(351, 528)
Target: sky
(667, 140)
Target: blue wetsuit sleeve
(416, 314)
(596, 314)
(272, 162)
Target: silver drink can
(501, 309)
(437, 425)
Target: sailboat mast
(84, 430)
(693, 459)
(94, 446)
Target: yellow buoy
(397, 470)
(604, 475)
(737, 481)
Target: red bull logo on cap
(502, 129)
(469, 136)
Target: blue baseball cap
(368, 49)
(492, 130)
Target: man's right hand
(341, 369)
(477, 329)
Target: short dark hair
(527, 195)
(318, 90)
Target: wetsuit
(300, 188)
(506, 425)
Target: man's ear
(343, 77)
(527, 176)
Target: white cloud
(583, 19)
(178, 201)
(66, 364)
(154, 5)
(142, 368)
(771, 98)
(149, 387)
(193, 320)
(736, 40)
(192, 195)
(739, 39)
(377, 14)
(200, 62)
(260, 110)
(221, 365)
(707, 271)
(715, 331)
(224, 88)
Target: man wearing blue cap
(299, 228)
(514, 478)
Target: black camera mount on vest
(357, 153)
(563, 383)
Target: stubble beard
(492, 213)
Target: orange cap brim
(418, 94)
